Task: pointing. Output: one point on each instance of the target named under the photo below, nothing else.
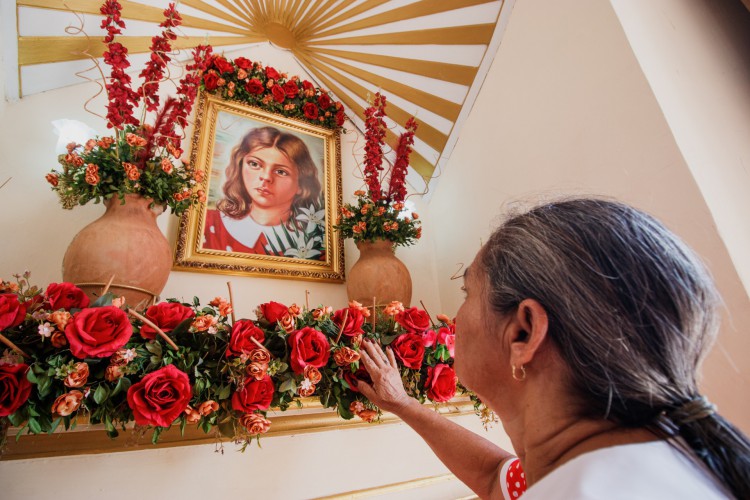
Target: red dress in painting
(231, 235)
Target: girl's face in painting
(271, 179)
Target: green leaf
(104, 300)
(288, 385)
(154, 348)
(224, 392)
(183, 424)
(155, 437)
(34, 426)
(101, 394)
(122, 385)
(54, 425)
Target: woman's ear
(528, 331)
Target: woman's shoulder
(654, 470)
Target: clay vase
(378, 274)
(125, 243)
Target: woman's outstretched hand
(387, 389)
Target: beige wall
(567, 110)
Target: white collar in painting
(246, 230)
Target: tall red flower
(374, 140)
(160, 48)
(397, 183)
(122, 99)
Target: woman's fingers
(392, 358)
(375, 353)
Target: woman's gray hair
(631, 309)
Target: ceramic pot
(378, 274)
(125, 243)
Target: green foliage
(367, 220)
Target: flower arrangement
(379, 213)
(263, 86)
(179, 364)
(140, 158)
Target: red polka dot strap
(512, 479)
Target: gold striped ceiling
(427, 56)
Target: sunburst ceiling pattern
(428, 56)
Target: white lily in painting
(303, 249)
(312, 217)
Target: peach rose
(135, 140)
(123, 356)
(118, 301)
(255, 423)
(58, 340)
(199, 175)
(356, 341)
(192, 416)
(203, 323)
(60, 319)
(259, 356)
(53, 179)
(79, 375)
(288, 323)
(257, 370)
(367, 415)
(312, 374)
(167, 166)
(393, 308)
(364, 310)
(445, 319)
(321, 312)
(294, 310)
(345, 356)
(67, 403)
(113, 373)
(208, 407)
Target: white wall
(567, 110)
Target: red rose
(447, 337)
(160, 397)
(354, 321)
(340, 117)
(12, 312)
(309, 348)
(66, 296)
(15, 388)
(273, 311)
(98, 332)
(440, 383)
(166, 316)
(278, 93)
(429, 337)
(211, 80)
(272, 73)
(254, 395)
(307, 85)
(353, 378)
(223, 65)
(243, 63)
(310, 110)
(409, 348)
(255, 86)
(291, 89)
(324, 101)
(240, 342)
(414, 320)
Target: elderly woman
(583, 327)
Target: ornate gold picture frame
(273, 189)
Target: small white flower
(40, 315)
(129, 355)
(303, 250)
(312, 217)
(306, 384)
(45, 330)
(212, 330)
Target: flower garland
(190, 364)
(263, 86)
(139, 158)
(379, 214)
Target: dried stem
(109, 284)
(307, 300)
(261, 346)
(148, 322)
(374, 313)
(425, 310)
(231, 300)
(13, 346)
(343, 324)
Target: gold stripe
(476, 34)
(210, 9)
(427, 133)
(411, 484)
(416, 9)
(416, 161)
(131, 10)
(95, 440)
(454, 73)
(437, 105)
(41, 50)
(312, 17)
(238, 10)
(364, 7)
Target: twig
(109, 284)
(425, 310)
(231, 300)
(307, 300)
(4, 183)
(374, 314)
(13, 346)
(261, 345)
(153, 325)
(343, 324)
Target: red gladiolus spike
(374, 140)
(397, 187)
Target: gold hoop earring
(523, 373)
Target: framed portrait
(273, 189)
